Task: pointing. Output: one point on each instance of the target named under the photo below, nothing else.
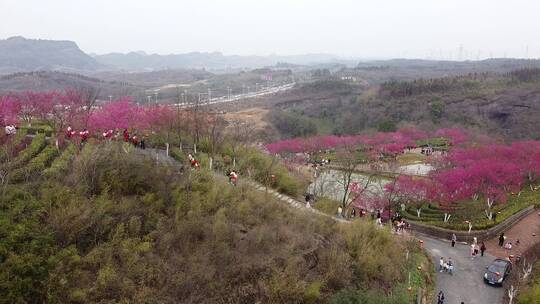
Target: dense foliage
(115, 227)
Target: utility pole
(209, 95)
(156, 94)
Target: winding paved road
(467, 283)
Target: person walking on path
(501, 239)
(339, 211)
(482, 248)
(233, 177)
(441, 264)
(473, 251)
(454, 239)
(126, 135)
(440, 298)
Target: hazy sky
(359, 28)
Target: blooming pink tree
(9, 110)
(488, 171)
(119, 114)
(527, 155)
(412, 191)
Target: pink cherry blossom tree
(119, 114)
(9, 110)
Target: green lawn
(410, 158)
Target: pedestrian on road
(454, 239)
(482, 249)
(473, 251)
(441, 264)
(450, 266)
(501, 239)
(440, 298)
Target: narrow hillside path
(161, 156)
(523, 230)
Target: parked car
(497, 272)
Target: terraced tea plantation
(25, 158)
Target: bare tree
(216, 126)
(348, 165)
(240, 133)
(512, 293)
(88, 96)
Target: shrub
(6, 150)
(61, 164)
(261, 167)
(178, 155)
(37, 144)
(36, 165)
(326, 205)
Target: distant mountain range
(18, 54)
(198, 60)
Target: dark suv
(497, 272)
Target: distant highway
(225, 99)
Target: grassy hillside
(102, 225)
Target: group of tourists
(446, 265)
(84, 134)
(110, 134)
(506, 245)
(475, 248)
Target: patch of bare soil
(253, 116)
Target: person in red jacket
(126, 135)
(233, 177)
(135, 140)
(108, 135)
(70, 133)
(84, 135)
(194, 163)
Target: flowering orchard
(486, 174)
(375, 145)
(474, 169)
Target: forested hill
(18, 54)
(507, 104)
